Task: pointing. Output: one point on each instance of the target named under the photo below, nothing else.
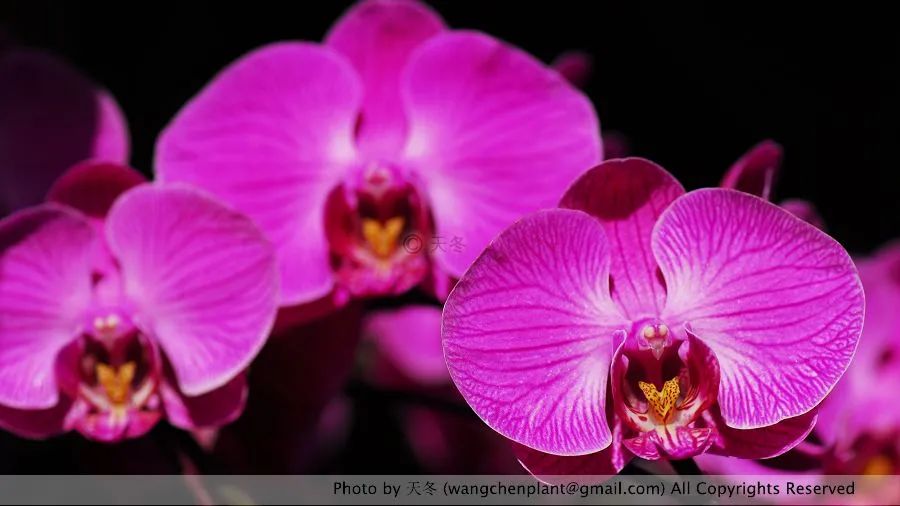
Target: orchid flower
(51, 117)
(862, 439)
(638, 320)
(386, 157)
(123, 302)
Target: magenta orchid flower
(862, 439)
(387, 156)
(640, 320)
(118, 310)
(51, 117)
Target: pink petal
(272, 135)
(627, 196)
(756, 171)
(93, 186)
(804, 210)
(410, 337)
(603, 463)
(527, 333)
(495, 135)
(765, 442)
(378, 37)
(213, 409)
(777, 300)
(51, 117)
(108, 426)
(202, 278)
(45, 274)
(35, 423)
(675, 443)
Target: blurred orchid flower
(756, 172)
(851, 437)
(862, 439)
(51, 117)
(719, 321)
(123, 302)
(387, 156)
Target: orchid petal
(627, 196)
(377, 37)
(35, 423)
(51, 117)
(777, 300)
(45, 290)
(679, 442)
(764, 442)
(202, 277)
(527, 333)
(213, 409)
(272, 135)
(92, 186)
(494, 134)
(608, 462)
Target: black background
(691, 87)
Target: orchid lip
(117, 369)
(377, 224)
(660, 384)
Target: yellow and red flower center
(378, 230)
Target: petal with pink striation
(627, 196)
(378, 38)
(45, 290)
(272, 135)
(528, 333)
(777, 300)
(494, 134)
(201, 276)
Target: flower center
(663, 401)
(383, 238)
(378, 230)
(662, 381)
(116, 365)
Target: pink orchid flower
(640, 320)
(51, 117)
(387, 156)
(122, 303)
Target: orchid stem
(686, 467)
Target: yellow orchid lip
(116, 381)
(662, 402)
(383, 239)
